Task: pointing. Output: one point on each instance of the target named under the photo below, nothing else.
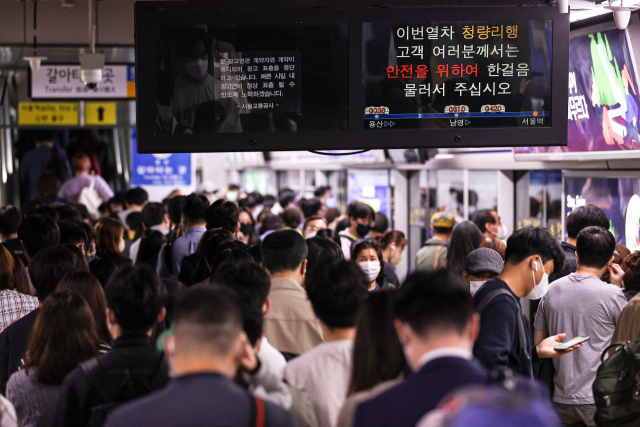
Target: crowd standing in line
(273, 311)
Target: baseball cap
(483, 260)
(443, 220)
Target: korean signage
(159, 169)
(48, 114)
(63, 81)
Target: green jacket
(426, 257)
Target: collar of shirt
(160, 229)
(279, 283)
(194, 230)
(444, 352)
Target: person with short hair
(380, 225)
(72, 233)
(488, 221)
(135, 200)
(193, 224)
(10, 219)
(81, 167)
(482, 265)
(102, 269)
(223, 214)
(436, 327)
(154, 217)
(581, 304)
(392, 244)
(132, 367)
(205, 350)
(36, 233)
(290, 325)
(361, 220)
(321, 250)
(312, 225)
(336, 292)
(433, 255)
(579, 219)
(311, 207)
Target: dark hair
(530, 241)
(331, 214)
(21, 281)
(286, 198)
(175, 209)
(321, 191)
(292, 217)
(619, 256)
(595, 246)
(392, 236)
(72, 233)
(194, 207)
(49, 267)
(336, 291)
(369, 244)
(134, 223)
(118, 199)
(86, 285)
(102, 269)
(586, 216)
(104, 208)
(256, 254)
(8, 269)
(10, 219)
(81, 259)
(68, 212)
(381, 223)
(495, 244)
(631, 267)
(150, 246)
(482, 217)
(359, 210)
(310, 207)
(251, 235)
(376, 348)
(63, 336)
(283, 251)
(109, 231)
(82, 210)
(252, 285)
(271, 222)
(153, 214)
(136, 196)
(206, 252)
(175, 289)
(136, 295)
(321, 250)
(44, 210)
(434, 301)
(222, 214)
(91, 234)
(466, 238)
(38, 232)
(235, 251)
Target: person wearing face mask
(361, 218)
(368, 255)
(481, 265)
(581, 304)
(488, 221)
(165, 121)
(110, 242)
(505, 340)
(312, 225)
(392, 244)
(247, 226)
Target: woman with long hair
(63, 336)
(466, 238)
(14, 303)
(368, 255)
(110, 241)
(392, 244)
(149, 248)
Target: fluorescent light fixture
(581, 15)
(443, 156)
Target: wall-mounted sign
(100, 113)
(159, 169)
(63, 82)
(48, 114)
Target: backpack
(131, 384)
(258, 412)
(90, 198)
(616, 388)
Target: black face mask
(246, 229)
(363, 230)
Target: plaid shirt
(14, 306)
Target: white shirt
(272, 357)
(439, 353)
(324, 372)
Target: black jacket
(79, 394)
(13, 344)
(119, 260)
(570, 262)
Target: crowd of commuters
(273, 311)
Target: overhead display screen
(457, 74)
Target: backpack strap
(521, 329)
(258, 413)
(92, 183)
(435, 261)
(99, 376)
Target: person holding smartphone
(581, 304)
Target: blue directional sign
(159, 169)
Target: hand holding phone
(573, 342)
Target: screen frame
(149, 16)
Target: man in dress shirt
(193, 224)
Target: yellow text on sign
(100, 113)
(48, 114)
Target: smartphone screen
(567, 345)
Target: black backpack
(119, 386)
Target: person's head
(36, 233)
(150, 246)
(10, 219)
(331, 214)
(86, 285)
(63, 336)
(336, 291)
(312, 225)
(81, 163)
(376, 348)
(175, 288)
(49, 267)
(594, 248)
(271, 222)
(192, 54)
(311, 207)
(434, 310)
(256, 254)
(392, 243)
(84, 212)
(90, 243)
(285, 253)
(247, 225)
(68, 212)
(292, 217)
(488, 221)
(482, 264)
(234, 251)
(361, 219)
(104, 210)
(102, 269)
(193, 210)
(252, 284)
(81, 259)
(619, 255)
(586, 216)
(136, 198)
(135, 300)
(117, 202)
(109, 237)
(321, 250)
(323, 194)
(223, 214)
(380, 225)
(175, 210)
(9, 269)
(45, 210)
(73, 233)
(369, 258)
(134, 225)
(208, 332)
(44, 136)
(155, 214)
(631, 267)
(466, 237)
(442, 224)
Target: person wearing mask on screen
(434, 253)
(488, 221)
(361, 219)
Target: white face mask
(165, 113)
(474, 285)
(540, 288)
(197, 69)
(311, 234)
(502, 233)
(371, 269)
(232, 196)
(121, 246)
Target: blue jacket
(404, 404)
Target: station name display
(458, 74)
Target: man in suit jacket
(437, 329)
(205, 351)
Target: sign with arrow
(100, 113)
